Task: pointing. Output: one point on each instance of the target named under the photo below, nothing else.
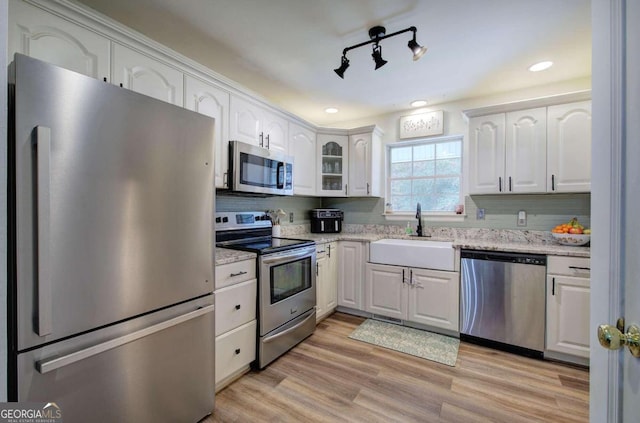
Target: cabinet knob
(237, 351)
(237, 306)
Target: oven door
(258, 170)
(287, 286)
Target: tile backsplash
(544, 211)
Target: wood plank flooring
(331, 378)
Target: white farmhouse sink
(438, 255)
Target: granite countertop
(472, 244)
(226, 256)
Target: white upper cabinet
(569, 147)
(142, 74)
(538, 150)
(486, 154)
(332, 166)
(302, 146)
(46, 37)
(212, 101)
(526, 151)
(365, 164)
(255, 125)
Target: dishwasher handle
(533, 259)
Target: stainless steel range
(286, 281)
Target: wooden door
(526, 151)
(385, 290)
(487, 154)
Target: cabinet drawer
(235, 349)
(570, 266)
(232, 273)
(235, 305)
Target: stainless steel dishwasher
(502, 300)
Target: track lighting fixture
(376, 34)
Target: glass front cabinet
(333, 156)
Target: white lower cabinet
(428, 297)
(235, 350)
(568, 296)
(236, 324)
(352, 258)
(326, 279)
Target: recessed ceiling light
(331, 110)
(418, 103)
(537, 67)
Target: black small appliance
(325, 221)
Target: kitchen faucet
(419, 217)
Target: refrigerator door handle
(46, 366)
(43, 156)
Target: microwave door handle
(280, 176)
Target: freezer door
(158, 368)
(113, 204)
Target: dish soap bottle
(408, 230)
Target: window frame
(390, 214)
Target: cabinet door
(385, 290)
(359, 165)
(332, 167)
(569, 147)
(321, 284)
(36, 33)
(434, 298)
(275, 133)
(568, 315)
(526, 151)
(214, 102)
(302, 146)
(145, 75)
(246, 122)
(332, 276)
(486, 154)
(350, 274)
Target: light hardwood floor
(331, 378)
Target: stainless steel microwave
(258, 170)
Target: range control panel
(241, 220)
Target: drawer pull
(237, 351)
(237, 306)
(579, 268)
(233, 275)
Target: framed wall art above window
(422, 125)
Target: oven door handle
(291, 329)
(307, 252)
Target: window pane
(400, 170)
(448, 167)
(401, 203)
(448, 149)
(445, 202)
(401, 187)
(400, 154)
(422, 187)
(424, 152)
(448, 185)
(424, 168)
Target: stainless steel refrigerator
(111, 250)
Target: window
(428, 172)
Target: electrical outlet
(522, 218)
(479, 214)
(291, 217)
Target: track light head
(377, 56)
(343, 67)
(417, 49)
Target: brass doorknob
(613, 339)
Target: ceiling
(286, 50)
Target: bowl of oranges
(571, 233)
